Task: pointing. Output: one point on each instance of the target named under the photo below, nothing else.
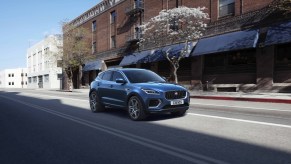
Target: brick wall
(125, 27)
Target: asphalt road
(38, 126)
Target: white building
(42, 63)
(13, 78)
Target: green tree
(76, 47)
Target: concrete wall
(42, 60)
(13, 78)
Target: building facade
(13, 78)
(42, 63)
(246, 46)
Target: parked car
(139, 91)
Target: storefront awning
(278, 34)
(174, 50)
(226, 42)
(133, 58)
(93, 65)
(156, 55)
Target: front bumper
(159, 104)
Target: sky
(26, 22)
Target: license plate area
(177, 102)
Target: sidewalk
(236, 96)
(241, 96)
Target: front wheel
(95, 103)
(135, 109)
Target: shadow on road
(35, 130)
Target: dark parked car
(139, 91)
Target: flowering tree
(176, 25)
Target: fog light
(154, 102)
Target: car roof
(122, 69)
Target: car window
(142, 76)
(117, 75)
(107, 75)
(100, 75)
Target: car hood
(159, 86)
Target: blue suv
(139, 91)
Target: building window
(113, 41)
(9, 75)
(226, 7)
(34, 79)
(94, 25)
(94, 47)
(29, 80)
(9, 83)
(46, 78)
(12, 83)
(137, 4)
(46, 50)
(60, 76)
(113, 17)
(12, 75)
(174, 25)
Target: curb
(270, 100)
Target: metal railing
(134, 37)
(135, 7)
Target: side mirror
(120, 81)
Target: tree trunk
(69, 73)
(175, 74)
(80, 77)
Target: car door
(118, 92)
(104, 87)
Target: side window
(116, 75)
(107, 75)
(100, 75)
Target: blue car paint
(116, 94)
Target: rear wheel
(95, 103)
(135, 109)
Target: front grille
(175, 95)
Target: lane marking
(241, 120)
(244, 107)
(171, 150)
(55, 97)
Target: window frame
(229, 6)
(113, 16)
(94, 25)
(110, 77)
(113, 41)
(116, 72)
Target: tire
(95, 103)
(136, 109)
(178, 113)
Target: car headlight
(150, 91)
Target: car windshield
(142, 76)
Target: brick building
(246, 46)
